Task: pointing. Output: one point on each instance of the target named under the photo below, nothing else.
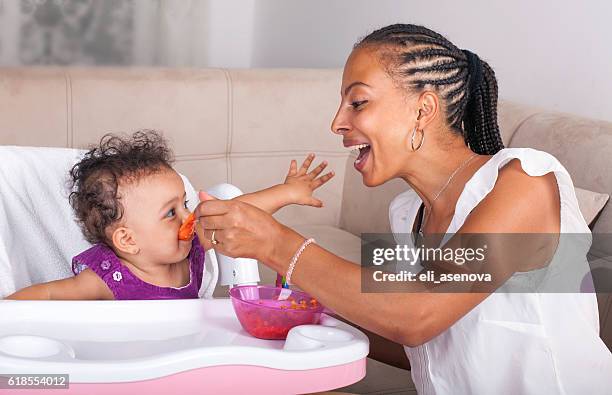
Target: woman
(420, 109)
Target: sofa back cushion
(582, 145)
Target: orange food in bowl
(187, 228)
(263, 315)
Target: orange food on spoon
(187, 228)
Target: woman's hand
(301, 184)
(243, 230)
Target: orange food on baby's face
(187, 229)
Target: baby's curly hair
(94, 180)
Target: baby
(131, 203)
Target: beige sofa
(244, 126)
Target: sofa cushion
(510, 116)
(591, 204)
(581, 145)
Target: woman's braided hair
(420, 58)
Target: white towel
(38, 234)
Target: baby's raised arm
(297, 188)
(84, 286)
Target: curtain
(126, 32)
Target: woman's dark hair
(94, 180)
(420, 58)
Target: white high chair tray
(183, 346)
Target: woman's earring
(420, 142)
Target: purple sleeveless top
(125, 285)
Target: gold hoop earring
(412, 139)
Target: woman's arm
(411, 317)
(518, 204)
(84, 286)
(404, 318)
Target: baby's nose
(185, 215)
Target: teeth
(358, 146)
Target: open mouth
(363, 152)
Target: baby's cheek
(184, 247)
(183, 254)
(167, 244)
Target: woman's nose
(339, 124)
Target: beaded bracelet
(295, 258)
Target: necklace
(437, 195)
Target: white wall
(555, 54)
(230, 29)
(196, 33)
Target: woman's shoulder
(513, 165)
(532, 161)
(516, 180)
(529, 204)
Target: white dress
(514, 343)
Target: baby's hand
(301, 183)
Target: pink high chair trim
(231, 379)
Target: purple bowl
(262, 315)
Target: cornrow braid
(420, 58)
